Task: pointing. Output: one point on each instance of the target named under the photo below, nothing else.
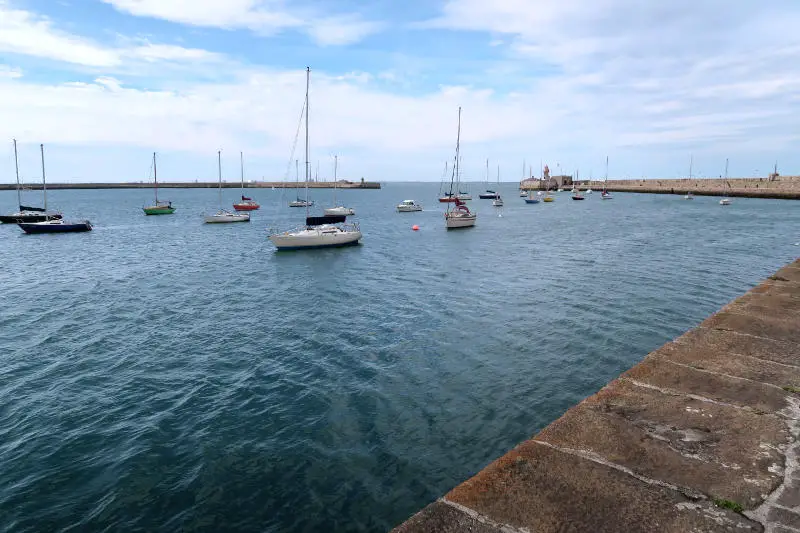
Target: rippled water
(158, 374)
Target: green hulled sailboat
(161, 207)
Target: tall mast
(241, 165)
(487, 172)
(308, 109)
(691, 164)
(726, 168)
(16, 167)
(219, 171)
(498, 174)
(454, 176)
(155, 177)
(606, 168)
(335, 169)
(44, 181)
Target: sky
(652, 85)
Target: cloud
(265, 17)
(26, 33)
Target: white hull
(339, 211)
(459, 221)
(408, 208)
(725, 201)
(318, 237)
(222, 218)
(497, 203)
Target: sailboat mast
(454, 176)
(241, 166)
(16, 167)
(726, 168)
(308, 109)
(487, 172)
(44, 181)
(219, 172)
(335, 169)
(155, 178)
(691, 165)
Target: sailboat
(27, 213)
(725, 200)
(299, 202)
(222, 216)
(606, 194)
(319, 232)
(498, 202)
(247, 204)
(459, 216)
(489, 194)
(446, 197)
(53, 225)
(160, 207)
(338, 210)
(689, 195)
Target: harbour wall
(780, 187)
(200, 185)
(702, 435)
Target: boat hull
(334, 211)
(17, 218)
(227, 219)
(487, 196)
(531, 200)
(458, 222)
(39, 227)
(307, 240)
(408, 209)
(578, 198)
(447, 199)
(246, 207)
(548, 200)
(158, 210)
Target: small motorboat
(222, 216)
(725, 201)
(55, 226)
(522, 194)
(588, 191)
(341, 210)
(689, 196)
(408, 206)
(488, 195)
(497, 202)
(301, 203)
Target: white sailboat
(459, 216)
(299, 202)
(606, 194)
(497, 202)
(338, 210)
(318, 232)
(223, 216)
(725, 200)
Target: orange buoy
(415, 227)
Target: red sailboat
(247, 204)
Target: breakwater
(779, 187)
(702, 435)
(201, 185)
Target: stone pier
(701, 436)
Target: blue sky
(104, 83)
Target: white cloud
(265, 17)
(23, 32)
(29, 34)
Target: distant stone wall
(779, 186)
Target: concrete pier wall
(702, 435)
(199, 185)
(780, 187)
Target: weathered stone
(442, 518)
(715, 449)
(784, 517)
(713, 340)
(712, 359)
(546, 490)
(779, 328)
(790, 497)
(666, 375)
(789, 273)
